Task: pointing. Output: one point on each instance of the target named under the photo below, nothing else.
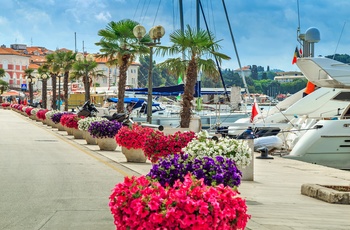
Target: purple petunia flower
(214, 171)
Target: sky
(265, 31)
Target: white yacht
(327, 142)
(315, 128)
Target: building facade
(14, 63)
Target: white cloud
(103, 16)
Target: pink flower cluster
(41, 114)
(29, 111)
(158, 145)
(133, 137)
(70, 120)
(140, 203)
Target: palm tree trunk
(54, 88)
(191, 78)
(44, 94)
(87, 85)
(65, 89)
(31, 96)
(122, 83)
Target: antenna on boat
(298, 30)
(341, 34)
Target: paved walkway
(274, 199)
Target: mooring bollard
(264, 153)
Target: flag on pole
(179, 80)
(255, 112)
(296, 56)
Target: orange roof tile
(33, 66)
(37, 59)
(9, 51)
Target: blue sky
(264, 30)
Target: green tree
(44, 71)
(254, 70)
(120, 46)
(2, 72)
(195, 44)
(28, 72)
(85, 68)
(3, 84)
(64, 60)
(53, 69)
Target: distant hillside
(340, 57)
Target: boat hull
(327, 143)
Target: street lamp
(86, 62)
(43, 77)
(156, 33)
(31, 80)
(61, 74)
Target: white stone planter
(90, 140)
(134, 155)
(78, 134)
(108, 144)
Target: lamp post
(61, 74)
(86, 62)
(43, 77)
(31, 80)
(156, 33)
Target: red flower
(177, 207)
(133, 137)
(158, 145)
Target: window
(5, 64)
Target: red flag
(255, 112)
(296, 55)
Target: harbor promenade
(274, 199)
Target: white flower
(85, 123)
(49, 114)
(238, 150)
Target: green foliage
(345, 58)
(2, 72)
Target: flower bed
(28, 111)
(85, 123)
(41, 114)
(5, 105)
(141, 203)
(213, 171)
(202, 146)
(72, 121)
(56, 117)
(158, 145)
(133, 137)
(104, 129)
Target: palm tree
(28, 72)
(3, 84)
(85, 68)
(64, 60)
(2, 72)
(195, 44)
(54, 70)
(43, 74)
(120, 47)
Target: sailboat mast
(234, 44)
(216, 60)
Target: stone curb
(325, 194)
